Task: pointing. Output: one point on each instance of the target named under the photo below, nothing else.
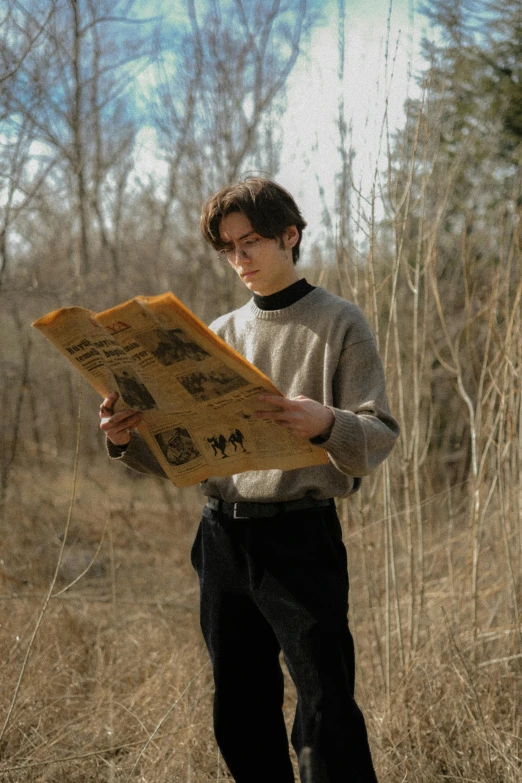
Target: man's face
(264, 265)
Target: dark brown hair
(269, 207)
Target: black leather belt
(243, 510)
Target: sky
(372, 88)
(382, 40)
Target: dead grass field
(117, 686)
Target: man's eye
(250, 242)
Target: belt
(243, 510)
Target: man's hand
(117, 426)
(305, 417)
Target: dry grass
(117, 686)
(118, 648)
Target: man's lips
(248, 273)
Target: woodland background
(104, 673)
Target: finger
(281, 415)
(275, 399)
(107, 405)
(120, 416)
(110, 399)
(121, 421)
(119, 434)
(128, 419)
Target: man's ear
(291, 236)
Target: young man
(269, 552)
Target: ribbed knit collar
(281, 299)
(291, 311)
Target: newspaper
(197, 394)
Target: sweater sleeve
(364, 431)
(136, 455)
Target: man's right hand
(117, 426)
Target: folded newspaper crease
(197, 394)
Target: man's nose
(240, 253)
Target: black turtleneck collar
(281, 299)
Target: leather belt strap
(244, 510)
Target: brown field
(108, 680)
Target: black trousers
(281, 584)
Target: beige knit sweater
(322, 347)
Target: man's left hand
(304, 416)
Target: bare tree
(67, 97)
(216, 113)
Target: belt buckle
(235, 515)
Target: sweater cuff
(346, 432)
(115, 451)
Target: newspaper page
(197, 394)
